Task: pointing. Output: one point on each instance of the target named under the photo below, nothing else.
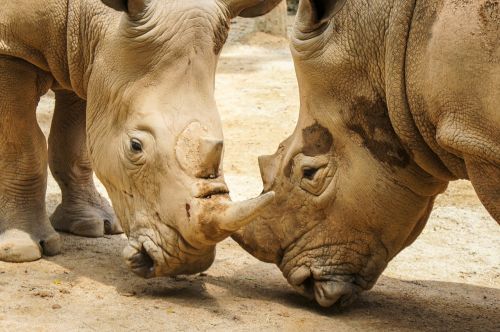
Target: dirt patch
(448, 280)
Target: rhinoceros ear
(133, 7)
(314, 13)
(250, 8)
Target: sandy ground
(449, 280)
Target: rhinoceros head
(155, 136)
(348, 195)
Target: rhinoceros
(134, 89)
(397, 99)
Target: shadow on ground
(393, 303)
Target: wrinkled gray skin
(397, 99)
(134, 85)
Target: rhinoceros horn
(211, 156)
(238, 214)
(220, 218)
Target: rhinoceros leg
(485, 178)
(25, 230)
(83, 211)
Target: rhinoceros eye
(309, 173)
(315, 173)
(135, 145)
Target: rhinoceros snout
(336, 290)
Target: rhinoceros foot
(20, 246)
(92, 217)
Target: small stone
(179, 278)
(64, 291)
(56, 306)
(44, 294)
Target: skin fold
(397, 99)
(134, 86)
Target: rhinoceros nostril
(139, 261)
(328, 293)
(308, 285)
(108, 229)
(302, 280)
(147, 261)
(299, 276)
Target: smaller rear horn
(210, 157)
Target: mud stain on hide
(212, 231)
(370, 121)
(288, 168)
(489, 14)
(317, 140)
(209, 226)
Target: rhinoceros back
(453, 79)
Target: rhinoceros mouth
(338, 290)
(209, 189)
(189, 249)
(327, 293)
(338, 293)
(148, 259)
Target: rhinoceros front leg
(83, 211)
(25, 230)
(485, 177)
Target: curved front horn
(238, 214)
(218, 219)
